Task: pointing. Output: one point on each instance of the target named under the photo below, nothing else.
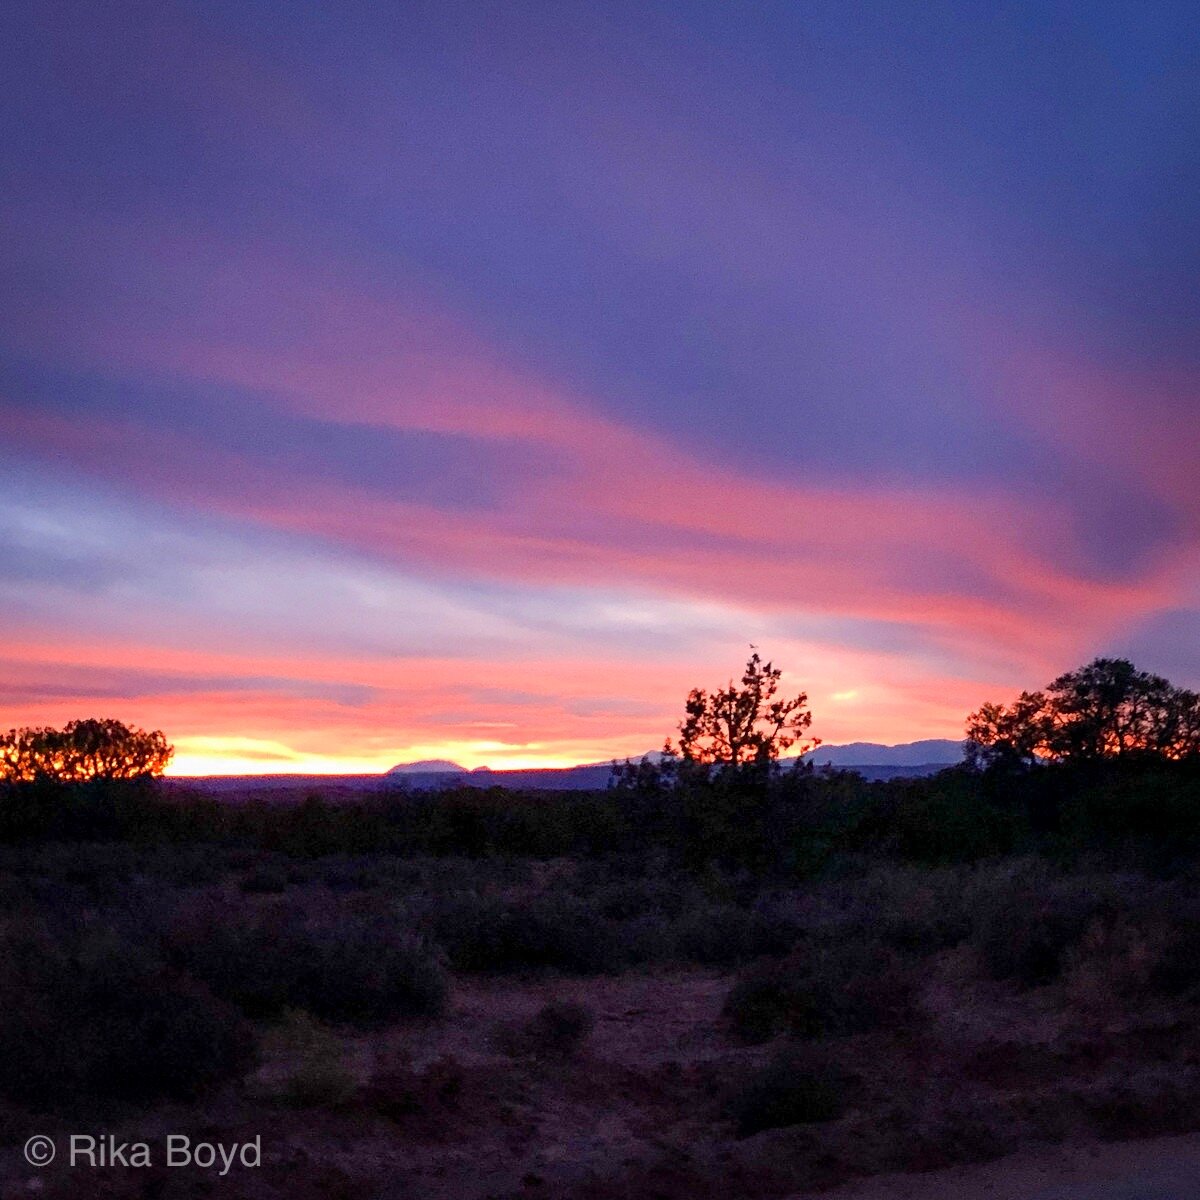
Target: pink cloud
(621, 505)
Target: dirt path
(1165, 1168)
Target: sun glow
(258, 756)
(251, 756)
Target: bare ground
(445, 1110)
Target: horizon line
(319, 772)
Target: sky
(470, 380)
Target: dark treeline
(787, 825)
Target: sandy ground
(1165, 1168)
(637, 1113)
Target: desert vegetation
(727, 974)
(82, 751)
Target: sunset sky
(469, 380)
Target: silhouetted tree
(743, 726)
(81, 751)
(711, 791)
(1011, 736)
(1105, 710)
(732, 728)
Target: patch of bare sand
(642, 1087)
(1164, 1168)
(641, 1020)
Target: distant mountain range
(941, 751)
(870, 759)
(554, 779)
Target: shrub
(91, 873)
(183, 866)
(1115, 961)
(349, 875)
(629, 899)
(722, 934)
(561, 1026)
(398, 1091)
(361, 969)
(250, 961)
(1175, 970)
(1025, 920)
(760, 1005)
(823, 990)
(1143, 1101)
(95, 1017)
(943, 1131)
(914, 909)
(318, 1075)
(1031, 950)
(557, 1029)
(789, 1090)
(550, 932)
(340, 968)
(945, 820)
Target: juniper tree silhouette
(101, 749)
(710, 792)
(1107, 709)
(743, 726)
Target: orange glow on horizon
(519, 714)
(192, 761)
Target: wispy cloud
(403, 387)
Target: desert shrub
(85, 811)
(946, 818)
(1025, 919)
(1115, 961)
(1147, 804)
(424, 875)
(630, 899)
(479, 822)
(317, 1075)
(947, 821)
(349, 875)
(944, 1131)
(363, 969)
(1142, 1101)
(759, 1005)
(723, 934)
(824, 990)
(914, 909)
(1175, 970)
(399, 1092)
(72, 876)
(1030, 948)
(789, 1090)
(561, 1026)
(250, 960)
(183, 865)
(649, 938)
(556, 1030)
(95, 873)
(343, 967)
(560, 932)
(93, 1016)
